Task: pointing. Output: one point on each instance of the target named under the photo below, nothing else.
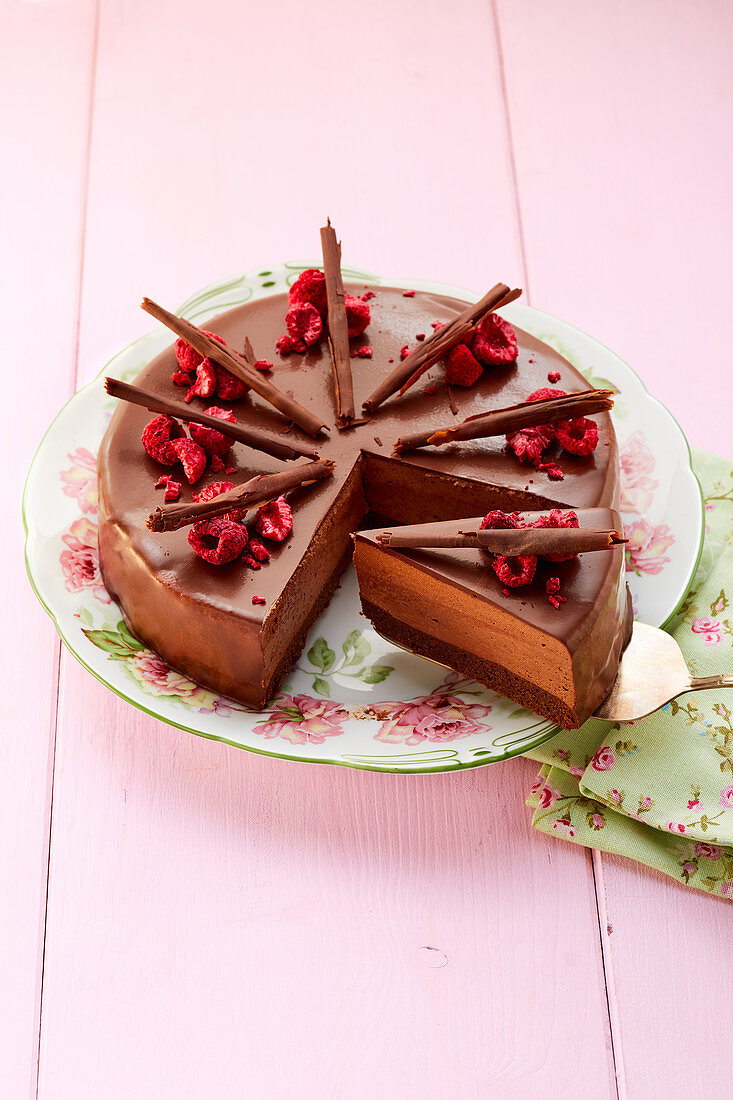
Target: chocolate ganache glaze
(201, 618)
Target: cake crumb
(377, 440)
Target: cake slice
(448, 605)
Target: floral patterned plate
(352, 699)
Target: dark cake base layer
(519, 690)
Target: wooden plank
(221, 924)
(624, 160)
(624, 174)
(44, 107)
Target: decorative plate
(352, 699)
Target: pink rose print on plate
(708, 851)
(81, 480)
(301, 720)
(80, 562)
(645, 550)
(435, 717)
(676, 827)
(548, 795)
(604, 759)
(563, 827)
(726, 798)
(636, 463)
(726, 889)
(157, 678)
(709, 629)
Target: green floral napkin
(660, 790)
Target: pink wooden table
(180, 919)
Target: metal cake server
(652, 672)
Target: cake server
(652, 672)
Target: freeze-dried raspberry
(495, 342)
(358, 315)
(529, 443)
(263, 364)
(515, 572)
(286, 345)
(304, 323)
(231, 469)
(172, 488)
(259, 599)
(499, 521)
(368, 295)
(216, 464)
(578, 436)
(552, 588)
(274, 520)
(435, 325)
(258, 550)
(404, 351)
(553, 471)
(557, 519)
(188, 358)
(157, 438)
(310, 286)
(408, 293)
(208, 439)
(462, 368)
(218, 540)
(419, 335)
(206, 382)
(215, 489)
(431, 389)
(182, 378)
(191, 457)
(364, 352)
(553, 376)
(250, 562)
(228, 386)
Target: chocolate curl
(251, 437)
(338, 327)
(438, 345)
(255, 491)
(527, 414)
(510, 542)
(239, 365)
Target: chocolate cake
(237, 630)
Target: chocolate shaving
(251, 437)
(242, 366)
(255, 491)
(439, 344)
(526, 414)
(452, 400)
(510, 541)
(338, 327)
